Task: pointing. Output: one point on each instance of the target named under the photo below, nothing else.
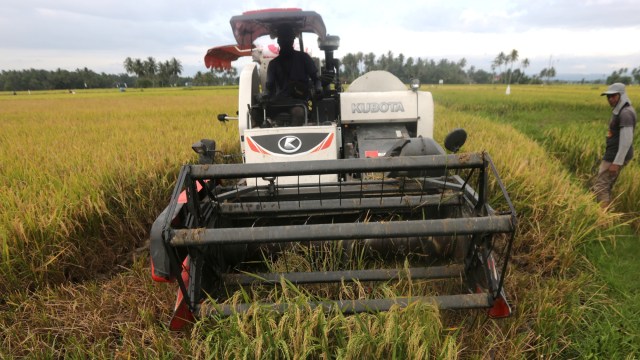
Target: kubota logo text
(383, 107)
(289, 144)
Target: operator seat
(288, 112)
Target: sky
(580, 37)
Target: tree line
(32, 79)
(430, 71)
(140, 73)
(213, 77)
(506, 68)
(152, 73)
(622, 75)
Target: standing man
(619, 149)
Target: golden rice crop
(580, 146)
(83, 175)
(570, 121)
(115, 166)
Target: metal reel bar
(321, 277)
(404, 163)
(341, 231)
(264, 208)
(463, 301)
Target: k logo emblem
(289, 144)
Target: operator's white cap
(617, 88)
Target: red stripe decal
(328, 142)
(253, 146)
(324, 143)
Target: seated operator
(290, 76)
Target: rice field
(570, 121)
(84, 175)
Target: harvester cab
(361, 174)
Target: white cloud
(591, 37)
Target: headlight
(415, 84)
(330, 42)
(206, 149)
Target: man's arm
(626, 139)
(270, 83)
(312, 71)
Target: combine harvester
(362, 175)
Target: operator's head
(614, 91)
(616, 96)
(286, 35)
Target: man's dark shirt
(287, 69)
(626, 117)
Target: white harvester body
(359, 173)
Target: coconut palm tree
(175, 69)
(510, 60)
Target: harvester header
(359, 183)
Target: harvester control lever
(225, 117)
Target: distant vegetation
(506, 68)
(152, 73)
(32, 79)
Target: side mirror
(329, 43)
(455, 139)
(206, 149)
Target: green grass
(614, 330)
(570, 122)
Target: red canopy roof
(253, 24)
(220, 57)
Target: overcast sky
(574, 36)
